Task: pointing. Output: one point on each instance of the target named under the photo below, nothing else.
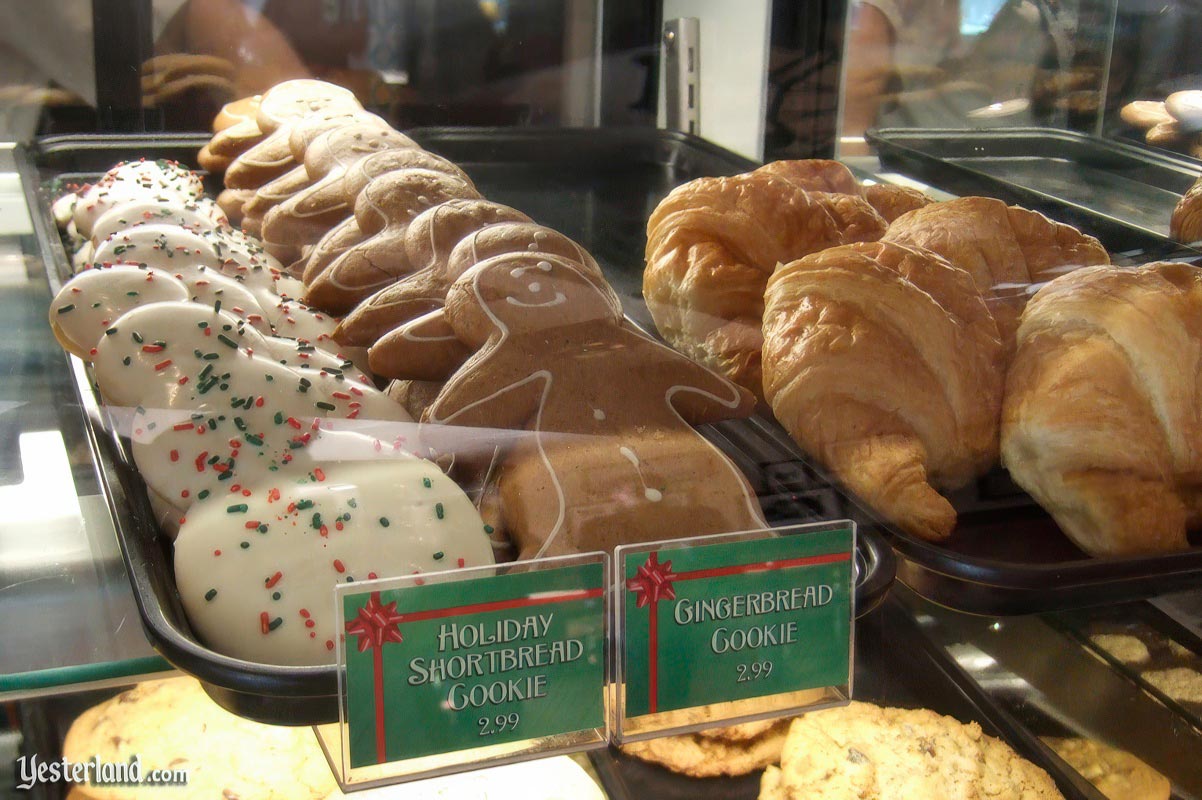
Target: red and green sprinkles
(267, 623)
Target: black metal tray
(651, 164)
(1007, 556)
(896, 665)
(1121, 193)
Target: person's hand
(168, 77)
(223, 40)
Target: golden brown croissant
(1004, 248)
(822, 175)
(711, 246)
(1102, 421)
(883, 362)
(815, 175)
(891, 201)
(1186, 223)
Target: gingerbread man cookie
(334, 150)
(401, 302)
(611, 456)
(309, 213)
(301, 98)
(233, 203)
(383, 211)
(236, 111)
(429, 242)
(333, 244)
(284, 148)
(235, 130)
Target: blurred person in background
(896, 54)
(206, 53)
(965, 63)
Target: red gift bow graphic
(375, 625)
(653, 582)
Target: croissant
(884, 363)
(821, 175)
(891, 201)
(1004, 248)
(1102, 420)
(1186, 223)
(713, 242)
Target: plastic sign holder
(449, 671)
(731, 628)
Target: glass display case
(999, 393)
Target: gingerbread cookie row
(488, 320)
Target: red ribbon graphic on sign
(653, 582)
(375, 625)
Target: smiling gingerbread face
(528, 293)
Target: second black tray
(1121, 193)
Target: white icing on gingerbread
(654, 495)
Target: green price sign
(706, 622)
(441, 664)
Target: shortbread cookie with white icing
(88, 304)
(134, 181)
(214, 409)
(168, 246)
(200, 214)
(93, 300)
(256, 574)
(186, 254)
